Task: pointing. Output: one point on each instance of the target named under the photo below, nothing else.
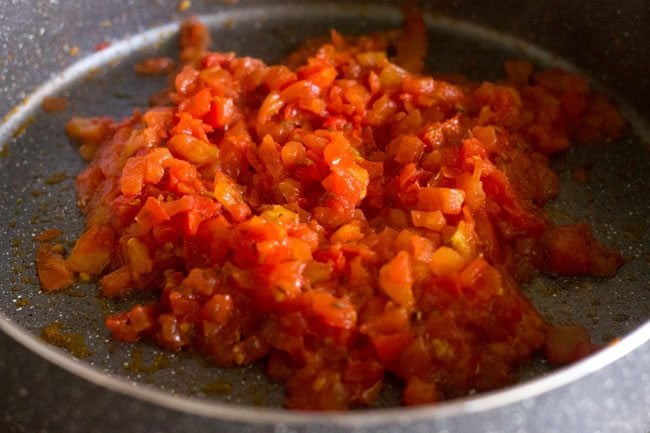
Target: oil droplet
(218, 387)
(57, 177)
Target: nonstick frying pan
(49, 49)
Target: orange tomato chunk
(446, 200)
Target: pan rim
(479, 403)
(249, 414)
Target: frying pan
(48, 48)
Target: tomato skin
(418, 392)
(572, 250)
(446, 261)
(142, 317)
(54, 272)
(568, 343)
(568, 252)
(335, 312)
(186, 79)
(396, 279)
(154, 66)
(389, 347)
(198, 105)
(192, 149)
(117, 282)
(141, 170)
(218, 309)
(151, 214)
(222, 114)
(174, 333)
(93, 250)
(118, 325)
(446, 200)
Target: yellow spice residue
(73, 343)
(184, 5)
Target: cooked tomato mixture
(342, 216)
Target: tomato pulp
(342, 216)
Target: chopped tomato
(53, 270)
(341, 216)
(568, 343)
(446, 200)
(419, 392)
(93, 250)
(396, 279)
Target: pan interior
(38, 166)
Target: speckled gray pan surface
(116, 389)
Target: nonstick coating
(37, 172)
